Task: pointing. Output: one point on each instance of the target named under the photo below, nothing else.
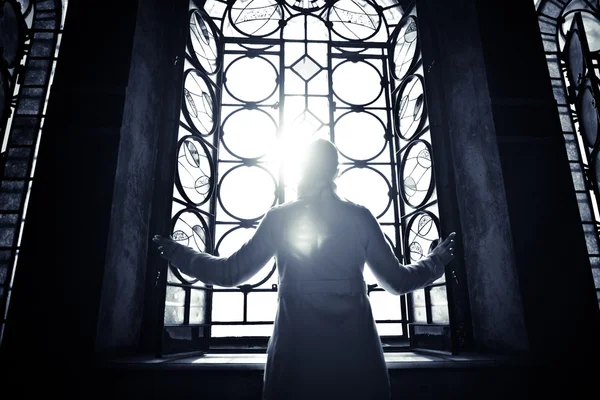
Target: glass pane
(247, 192)
(8, 226)
(30, 101)
(199, 104)
(241, 330)
(360, 135)
(11, 195)
(249, 133)
(386, 306)
(23, 131)
(17, 163)
(194, 170)
(419, 309)
(418, 298)
(258, 87)
(438, 296)
(365, 186)
(261, 18)
(38, 72)
(227, 306)
(353, 20)
(417, 174)
(198, 306)
(364, 90)
(389, 329)
(420, 314)
(262, 306)
(175, 305)
(439, 314)
(4, 266)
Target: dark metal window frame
(201, 332)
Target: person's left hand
(166, 246)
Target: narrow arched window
(30, 33)
(571, 38)
(261, 79)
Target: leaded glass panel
(571, 34)
(30, 33)
(262, 79)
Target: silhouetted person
(325, 343)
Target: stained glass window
(30, 33)
(571, 38)
(263, 78)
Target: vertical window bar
(428, 305)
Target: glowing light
(288, 154)
(307, 233)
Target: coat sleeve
(389, 272)
(232, 270)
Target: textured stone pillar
(146, 156)
(529, 279)
(462, 122)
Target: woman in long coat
(325, 343)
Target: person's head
(319, 167)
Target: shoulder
(356, 208)
(283, 208)
(278, 211)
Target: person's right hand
(446, 250)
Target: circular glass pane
(355, 91)
(251, 79)
(190, 229)
(409, 107)
(366, 187)
(588, 116)
(194, 170)
(233, 240)
(199, 102)
(247, 192)
(354, 19)
(256, 17)
(405, 49)
(249, 133)
(417, 174)
(203, 42)
(422, 230)
(359, 135)
(575, 63)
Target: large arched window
(263, 77)
(30, 33)
(571, 37)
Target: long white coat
(325, 344)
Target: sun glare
(287, 157)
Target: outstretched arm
(223, 271)
(395, 277)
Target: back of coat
(324, 344)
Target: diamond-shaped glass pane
(306, 68)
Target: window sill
(254, 361)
